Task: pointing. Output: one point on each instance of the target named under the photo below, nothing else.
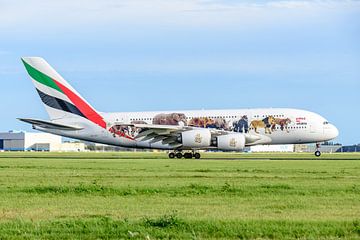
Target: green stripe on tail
(41, 77)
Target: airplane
(181, 133)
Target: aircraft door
(122, 119)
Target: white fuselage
(286, 126)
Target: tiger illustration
(282, 122)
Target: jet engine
(200, 138)
(231, 142)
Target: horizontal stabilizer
(49, 125)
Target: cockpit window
(326, 123)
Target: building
(26, 141)
(272, 148)
(69, 147)
(351, 148)
(325, 148)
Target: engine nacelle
(231, 142)
(200, 138)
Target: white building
(37, 141)
(273, 148)
(69, 147)
(26, 141)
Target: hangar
(26, 141)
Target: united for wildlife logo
(198, 138)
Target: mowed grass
(147, 196)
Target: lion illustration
(266, 123)
(282, 122)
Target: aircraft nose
(332, 132)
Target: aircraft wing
(168, 134)
(49, 125)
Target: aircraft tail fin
(59, 98)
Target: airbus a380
(182, 133)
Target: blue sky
(144, 55)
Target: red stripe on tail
(84, 108)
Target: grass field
(146, 196)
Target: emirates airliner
(182, 133)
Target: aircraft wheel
(197, 155)
(317, 153)
(171, 155)
(179, 155)
(188, 155)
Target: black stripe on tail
(59, 104)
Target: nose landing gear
(317, 151)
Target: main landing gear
(187, 155)
(317, 151)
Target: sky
(141, 55)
